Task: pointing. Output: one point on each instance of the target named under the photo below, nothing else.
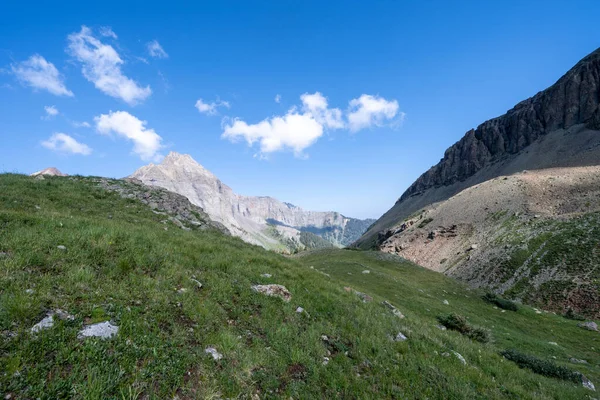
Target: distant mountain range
(264, 221)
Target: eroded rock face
(574, 99)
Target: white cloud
(368, 111)
(102, 66)
(146, 141)
(278, 98)
(51, 110)
(64, 143)
(40, 74)
(210, 108)
(292, 131)
(107, 31)
(155, 50)
(316, 105)
(301, 127)
(81, 124)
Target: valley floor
(68, 244)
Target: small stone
(29, 291)
(577, 361)
(460, 357)
(446, 302)
(553, 343)
(197, 282)
(394, 310)
(400, 337)
(266, 275)
(273, 290)
(587, 383)
(347, 289)
(103, 330)
(590, 326)
(181, 290)
(366, 271)
(441, 327)
(299, 310)
(474, 246)
(48, 320)
(38, 207)
(325, 360)
(214, 353)
(61, 247)
(324, 338)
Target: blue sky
(388, 86)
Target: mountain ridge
(513, 141)
(253, 218)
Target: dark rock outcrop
(573, 99)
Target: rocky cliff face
(260, 220)
(574, 99)
(569, 111)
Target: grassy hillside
(124, 263)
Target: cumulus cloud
(302, 126)
(293, 131)
(146, 142)
(38, 73)
(101, 65)
(107, 31)
(155, 50)
(51, 111)
(278, 98)
(316, 105)
(368, 111)
(63, 143)
(211, 108)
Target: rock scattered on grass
(400, 337)
(590, 326)
(394, 310)
(577, 361)
(266, 275)
(273, 290)
(587, 383)
(29, 291)
(457, 355)
(214, 353)
(103, 330)
(299, 310)
(446, 302)
(325, 360)
(48, 320)
(197, 282)
(553, 343)
(61, 247)
(441, 327)
(366, 271)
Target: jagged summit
(260, 220)
(52, 171)
(557, 127)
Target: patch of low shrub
(500, 302)
(570, 314)
(542, 367)
(459, 323)
(425, 222)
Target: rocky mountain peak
(52, 171)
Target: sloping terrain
(259, 220)
(558, 127)
(534, 235)
(190, 325)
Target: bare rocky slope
(558, 127)
(533, 236)
(263, 221)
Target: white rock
(400, 337)
(441, 327)
(48, 321)
(266, 275)
(587, 383)
(61, 247)
(197, 282)
(553, 343)
(273, 290)
(214, 353)
(460, 357)
(29, 291)
(102, 330)
(366, 271)
(325, 360)
(446, 302)
(299, 310)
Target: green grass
(123, 264)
